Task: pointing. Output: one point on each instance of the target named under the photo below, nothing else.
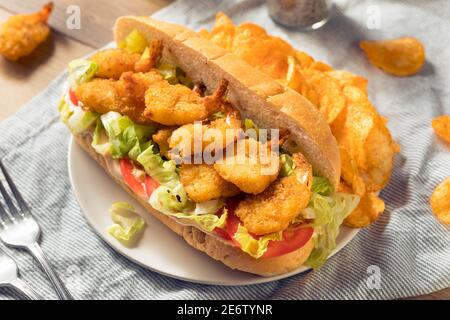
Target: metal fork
(19, 229)
(9, 273)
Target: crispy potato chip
(331, 99)
(366, 146)
(440, 201)
(441, 126)
(349, 79)
(369, 209)
(400, 57)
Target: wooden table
(20, 81)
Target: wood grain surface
(20, 81)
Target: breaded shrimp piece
(273, 210)
(202, 183)
(113, 62)
(161, 137)
(126, 96)
(215, 135)
(252, 167)
(177, 104)
(22, 33)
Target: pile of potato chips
(366, 146)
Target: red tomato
(292, 240)
(142, 188)
(73, 97)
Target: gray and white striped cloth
(408, 247)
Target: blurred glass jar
(303, 14)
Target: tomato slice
(142, 188)
(73, 97)
(293, 239)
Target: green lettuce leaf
(287, 165)
(134, 42)
(165, 172)
(164, 199)
(174, 75)
(77, 119)
(125, 137)
(249, 124)
(330, 212)
(321, 186)
(80, 120)
(80, 71)
(255, 247)
(127, 223)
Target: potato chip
(441, 126)
(369, 209)
(366, 146)
(400, 57)
(349, 79)
(440, 201)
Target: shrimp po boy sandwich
(244, 169)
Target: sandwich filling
(189, 153)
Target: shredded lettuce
(287, 165)
(80, 71)
(127, 224)
(321, 186)
(162, 171)
(125, 137)
(255, 247)
(249, 124)
(134, 42)
(77, 119)
(64, 111)
(80, 120)
(164, 199)
(174, 75)
(330, 212)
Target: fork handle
(23, 287)
(61, 290)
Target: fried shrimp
(212, 136)
(161, 138)
(273, 210)
(21, 34)
(203, 183)
(126, 96)
(252, 167)
(177, 104)
(113, 62)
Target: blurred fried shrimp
(126, 96)
(273, 210)
(113, 62)
(215, 135)
(177, 104)
(203, 183)
(22, 33)
(252, 167)
(161, 137)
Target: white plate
(160, 249)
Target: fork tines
(14, 211)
